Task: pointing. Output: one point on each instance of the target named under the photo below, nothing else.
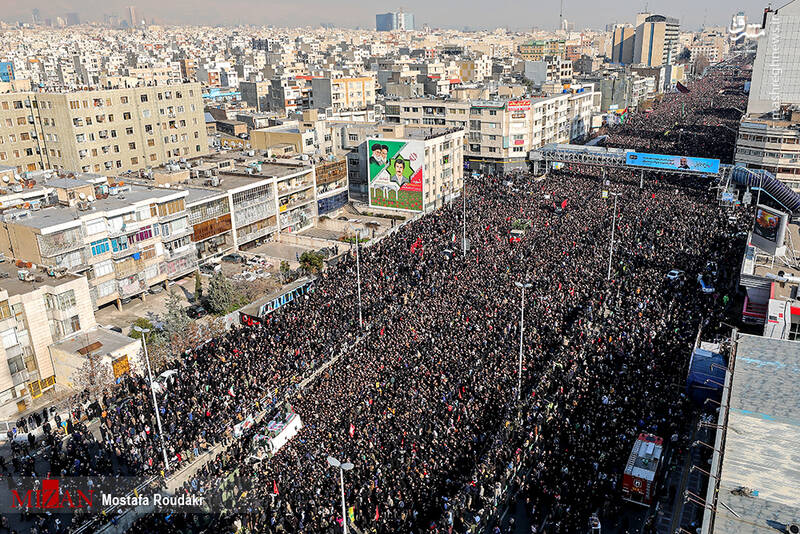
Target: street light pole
(521, 333)
(760, 185)
(464, 215)
(358, 277)
(347, 466)
(143, 332)
(613, 228)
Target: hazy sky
(514, 14)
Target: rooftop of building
(759, 263)
(60, 214)
(788, 119)
(762, 441)
(200, 194)
(254, 307)
(232, 122)
(98, 340)
(10, 281)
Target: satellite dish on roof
(90, 199)
(5, 179)
(82, 196)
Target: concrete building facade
(108, 130)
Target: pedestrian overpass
(615, 158)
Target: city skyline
(352, 14)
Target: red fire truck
(639, 480)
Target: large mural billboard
(395, 173)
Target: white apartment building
(500, 133)
(125, 238)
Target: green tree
(285, 268)
(221, 295)
(175, 319)
(198, 287)
(311, 262)
(142, 322)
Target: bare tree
(94, 375)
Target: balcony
(125, 252)
(177, 235)
(131, 288)
(244, 238)
(283, 191)
(172, 216)
(50, 245)
(185, 250)
(20, 377)
(299, 202)
(254, 202)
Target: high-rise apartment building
(776, 70)
(500, 133)
(103, 130)
(656, 41)
(132, 20)
(387, 22)
(652, 42)
(769, 134)
(623, 38)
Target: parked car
(196, 312)
(155, 290)
(706, 283)
(210, 268)
(675, 275)
(233, 258)
(164, 381)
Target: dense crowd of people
(700, 123)
(424, 399)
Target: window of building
(107, 288)
(65, 300)
(9, 338)
(143, 234)
(103, 268)
(95, 227)
(144, 98)
(5, 310)
(100, 247)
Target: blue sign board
(672, 163)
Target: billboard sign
(518, 105)
(395, 173)
(672, 163)
(769, 229)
